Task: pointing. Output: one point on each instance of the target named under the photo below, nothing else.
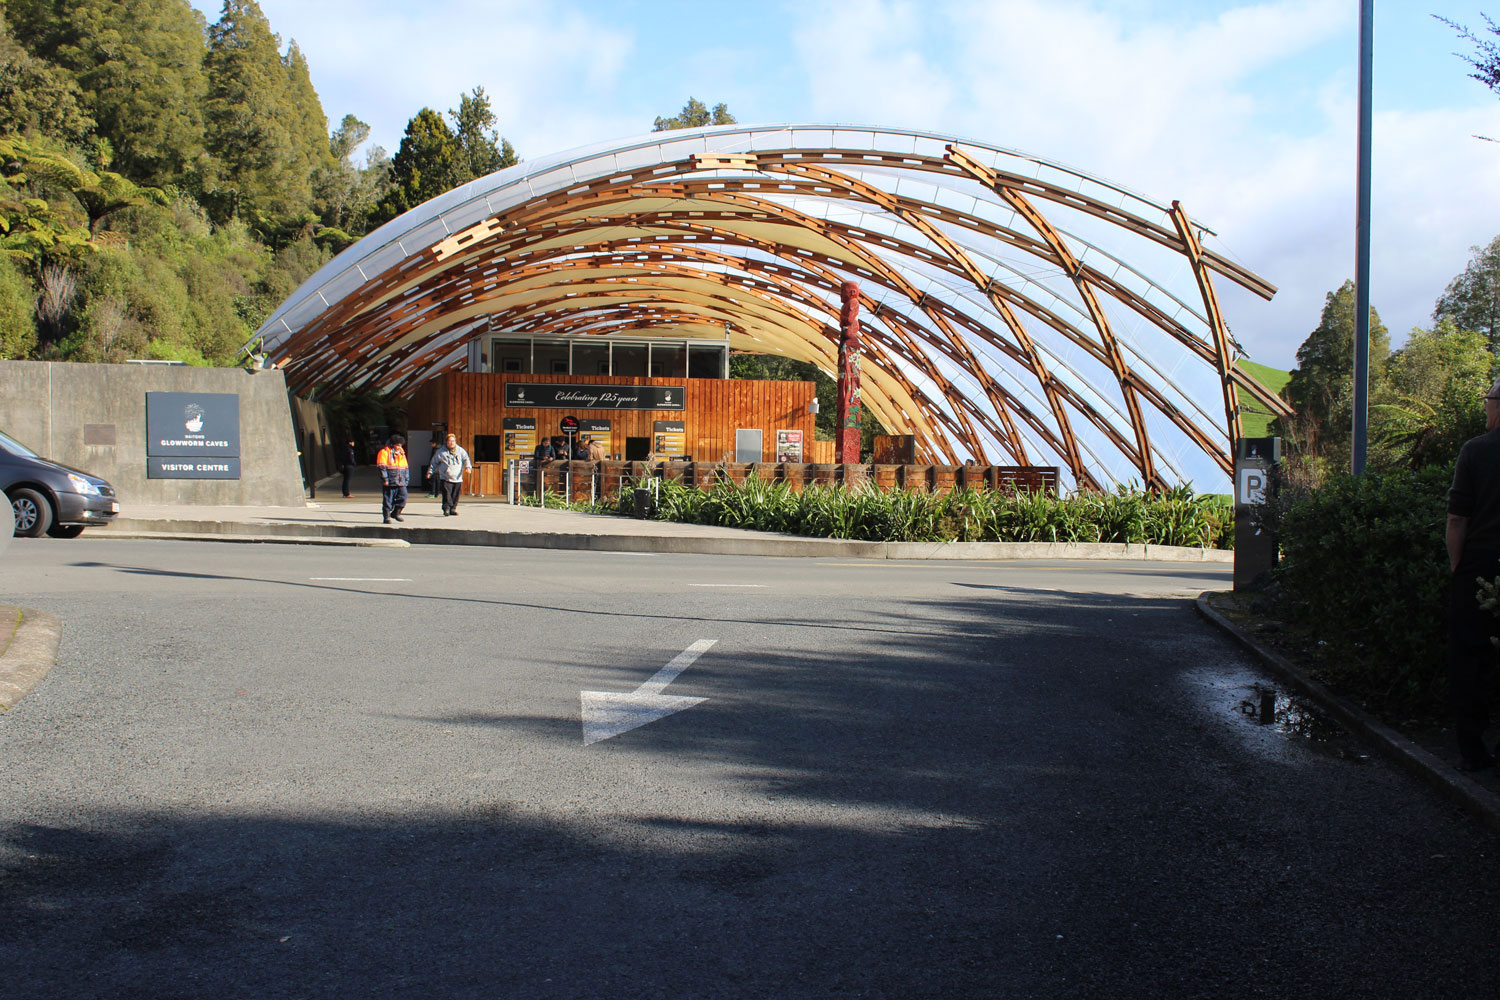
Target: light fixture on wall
(813, 406)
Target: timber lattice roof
(1013, 310)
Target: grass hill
(1255, 417)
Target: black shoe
(386, 521)
(398, 517)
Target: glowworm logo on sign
(192, 435)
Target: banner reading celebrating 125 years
(595, 397)
(192, 435)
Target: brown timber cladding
(474, 404)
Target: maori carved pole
(847, 439)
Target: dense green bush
(870, 514)
(1363, 560)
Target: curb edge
(1453, 785)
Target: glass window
(705, 362)
(630, 360)
(550, 358)
(590, 358)
(668, 360)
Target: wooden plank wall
(474, 403)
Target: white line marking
(726, 585)
(607, 714)
(364, 579)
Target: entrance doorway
(636, 449)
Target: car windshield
(15, 447)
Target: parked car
(51, 498)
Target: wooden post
(847, 439)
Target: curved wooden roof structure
(1013, 310)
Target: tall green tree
(1321, 388)
(484, 151)
(139, 66)
(17, 313)
(1430, 402)
(257, 122)
(430, 161)
(695, 114)
(38, 98)
(1472, 299)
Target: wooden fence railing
(585, 480)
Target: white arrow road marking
(607, 714)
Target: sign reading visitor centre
(192, 435)
(595, 397)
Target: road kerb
(749, 543)
(29, 655)
(1440, 774)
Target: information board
(789, 446)
(595, 397)
(192, 435)
(601, 431)
(669, 439)
(520, 438)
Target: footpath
(489, 521)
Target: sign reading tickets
(595, 397)
(598, 430)
(192, 435)
(520, 439)
(669, 438)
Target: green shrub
(867, 513)
(1363, 562)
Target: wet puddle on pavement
(1273, 718)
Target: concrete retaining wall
(46, 405)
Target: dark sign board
(519, 423)
(594, 426)
(200, 428)
(568, 425)
(595, 397)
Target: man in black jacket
(1474, 555)
(348, 460)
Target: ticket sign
(669, 438)
(789, 446)
(520, 438)
(192, 435)
(599, 430)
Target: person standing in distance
(394, 477)
(348, 457)
(449, 463)
(1473, 539)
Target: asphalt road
(278, 771)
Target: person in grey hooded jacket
(449, 463)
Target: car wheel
(65, 530)
(33, 513)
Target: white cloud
(547, 68)
(1192, 109)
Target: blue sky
(1243, 110)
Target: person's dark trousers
(450, 495)
(1472, 658)
(392, 501)
(348, 479)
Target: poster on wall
(788, 446)
(520, 439)
(668, 439)
(599, 430)
(192, 435)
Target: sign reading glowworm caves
(192, 435)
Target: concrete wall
(320, 452)
(45, 406)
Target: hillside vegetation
(165, 182)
